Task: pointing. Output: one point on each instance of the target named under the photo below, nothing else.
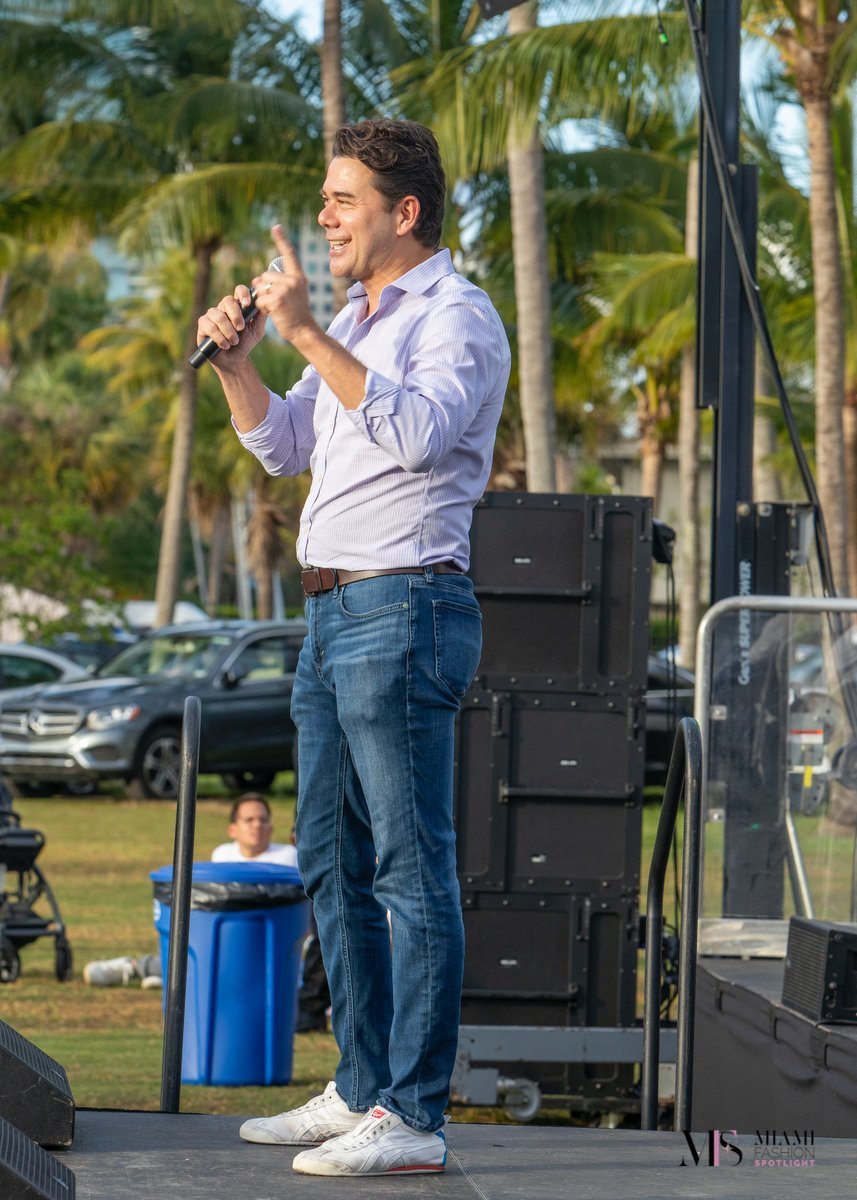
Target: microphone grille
(276, 264)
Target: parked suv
(124, 721)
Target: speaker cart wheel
(10, 963)
(522, 1098)
(63, 961)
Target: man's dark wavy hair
(247, 798)
(405, 161)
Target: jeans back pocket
(457, 643)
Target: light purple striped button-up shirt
(394, 481)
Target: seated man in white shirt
(250, 828)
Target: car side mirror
(233, 677)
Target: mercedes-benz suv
(124, 721)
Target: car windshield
(173, 656)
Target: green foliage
(185, 125)
(47, 547)
(97, 857)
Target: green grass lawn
(97, 858)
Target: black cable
(836, 620)
(751, 291)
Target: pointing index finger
(291, 264)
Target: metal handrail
(171, 1065)
(684, 778)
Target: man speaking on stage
(395, 415)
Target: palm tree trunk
(265, 595)
(651, 441)
(332, 82)
(689, 543)
(333, 102)
(169, 559)
(221, 532)
(829, 332)
(532, 291)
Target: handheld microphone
(209, 349)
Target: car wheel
(158, 763)
(248, 781)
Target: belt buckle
(311, 581)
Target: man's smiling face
(362, 229)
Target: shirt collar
(418, 280)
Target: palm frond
(636, 291)
(214, 204)
(606, 67)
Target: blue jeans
(377, 688)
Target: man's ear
(232, 831)
(409, 214)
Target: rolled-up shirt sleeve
(454, 362)
(283, 442)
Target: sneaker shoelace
(311, 1105)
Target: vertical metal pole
(691, 871)
(176, 983)
(726, 370)
(684, 777)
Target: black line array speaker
(563, 583)
(820, 978)
(34, 1092)
(548, 792)
(27, 1172)
(550, 751)
(553, 961)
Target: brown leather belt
(316, 580)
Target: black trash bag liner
(233, 897)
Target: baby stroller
(22, 885)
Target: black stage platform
(758, 1065)
(141, 1156)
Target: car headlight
(103, 718)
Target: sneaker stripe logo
(416, 1167)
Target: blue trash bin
(248, 922)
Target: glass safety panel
(780, 792)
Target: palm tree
(204, 108)
(333, 101)
(136, 356)
(491, 97)
(532, 288)
(815, 39)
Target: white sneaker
(382, 1144)
(109, 972)
(325, 1116)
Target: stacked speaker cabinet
(549, 771)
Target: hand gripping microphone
(209, 348)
